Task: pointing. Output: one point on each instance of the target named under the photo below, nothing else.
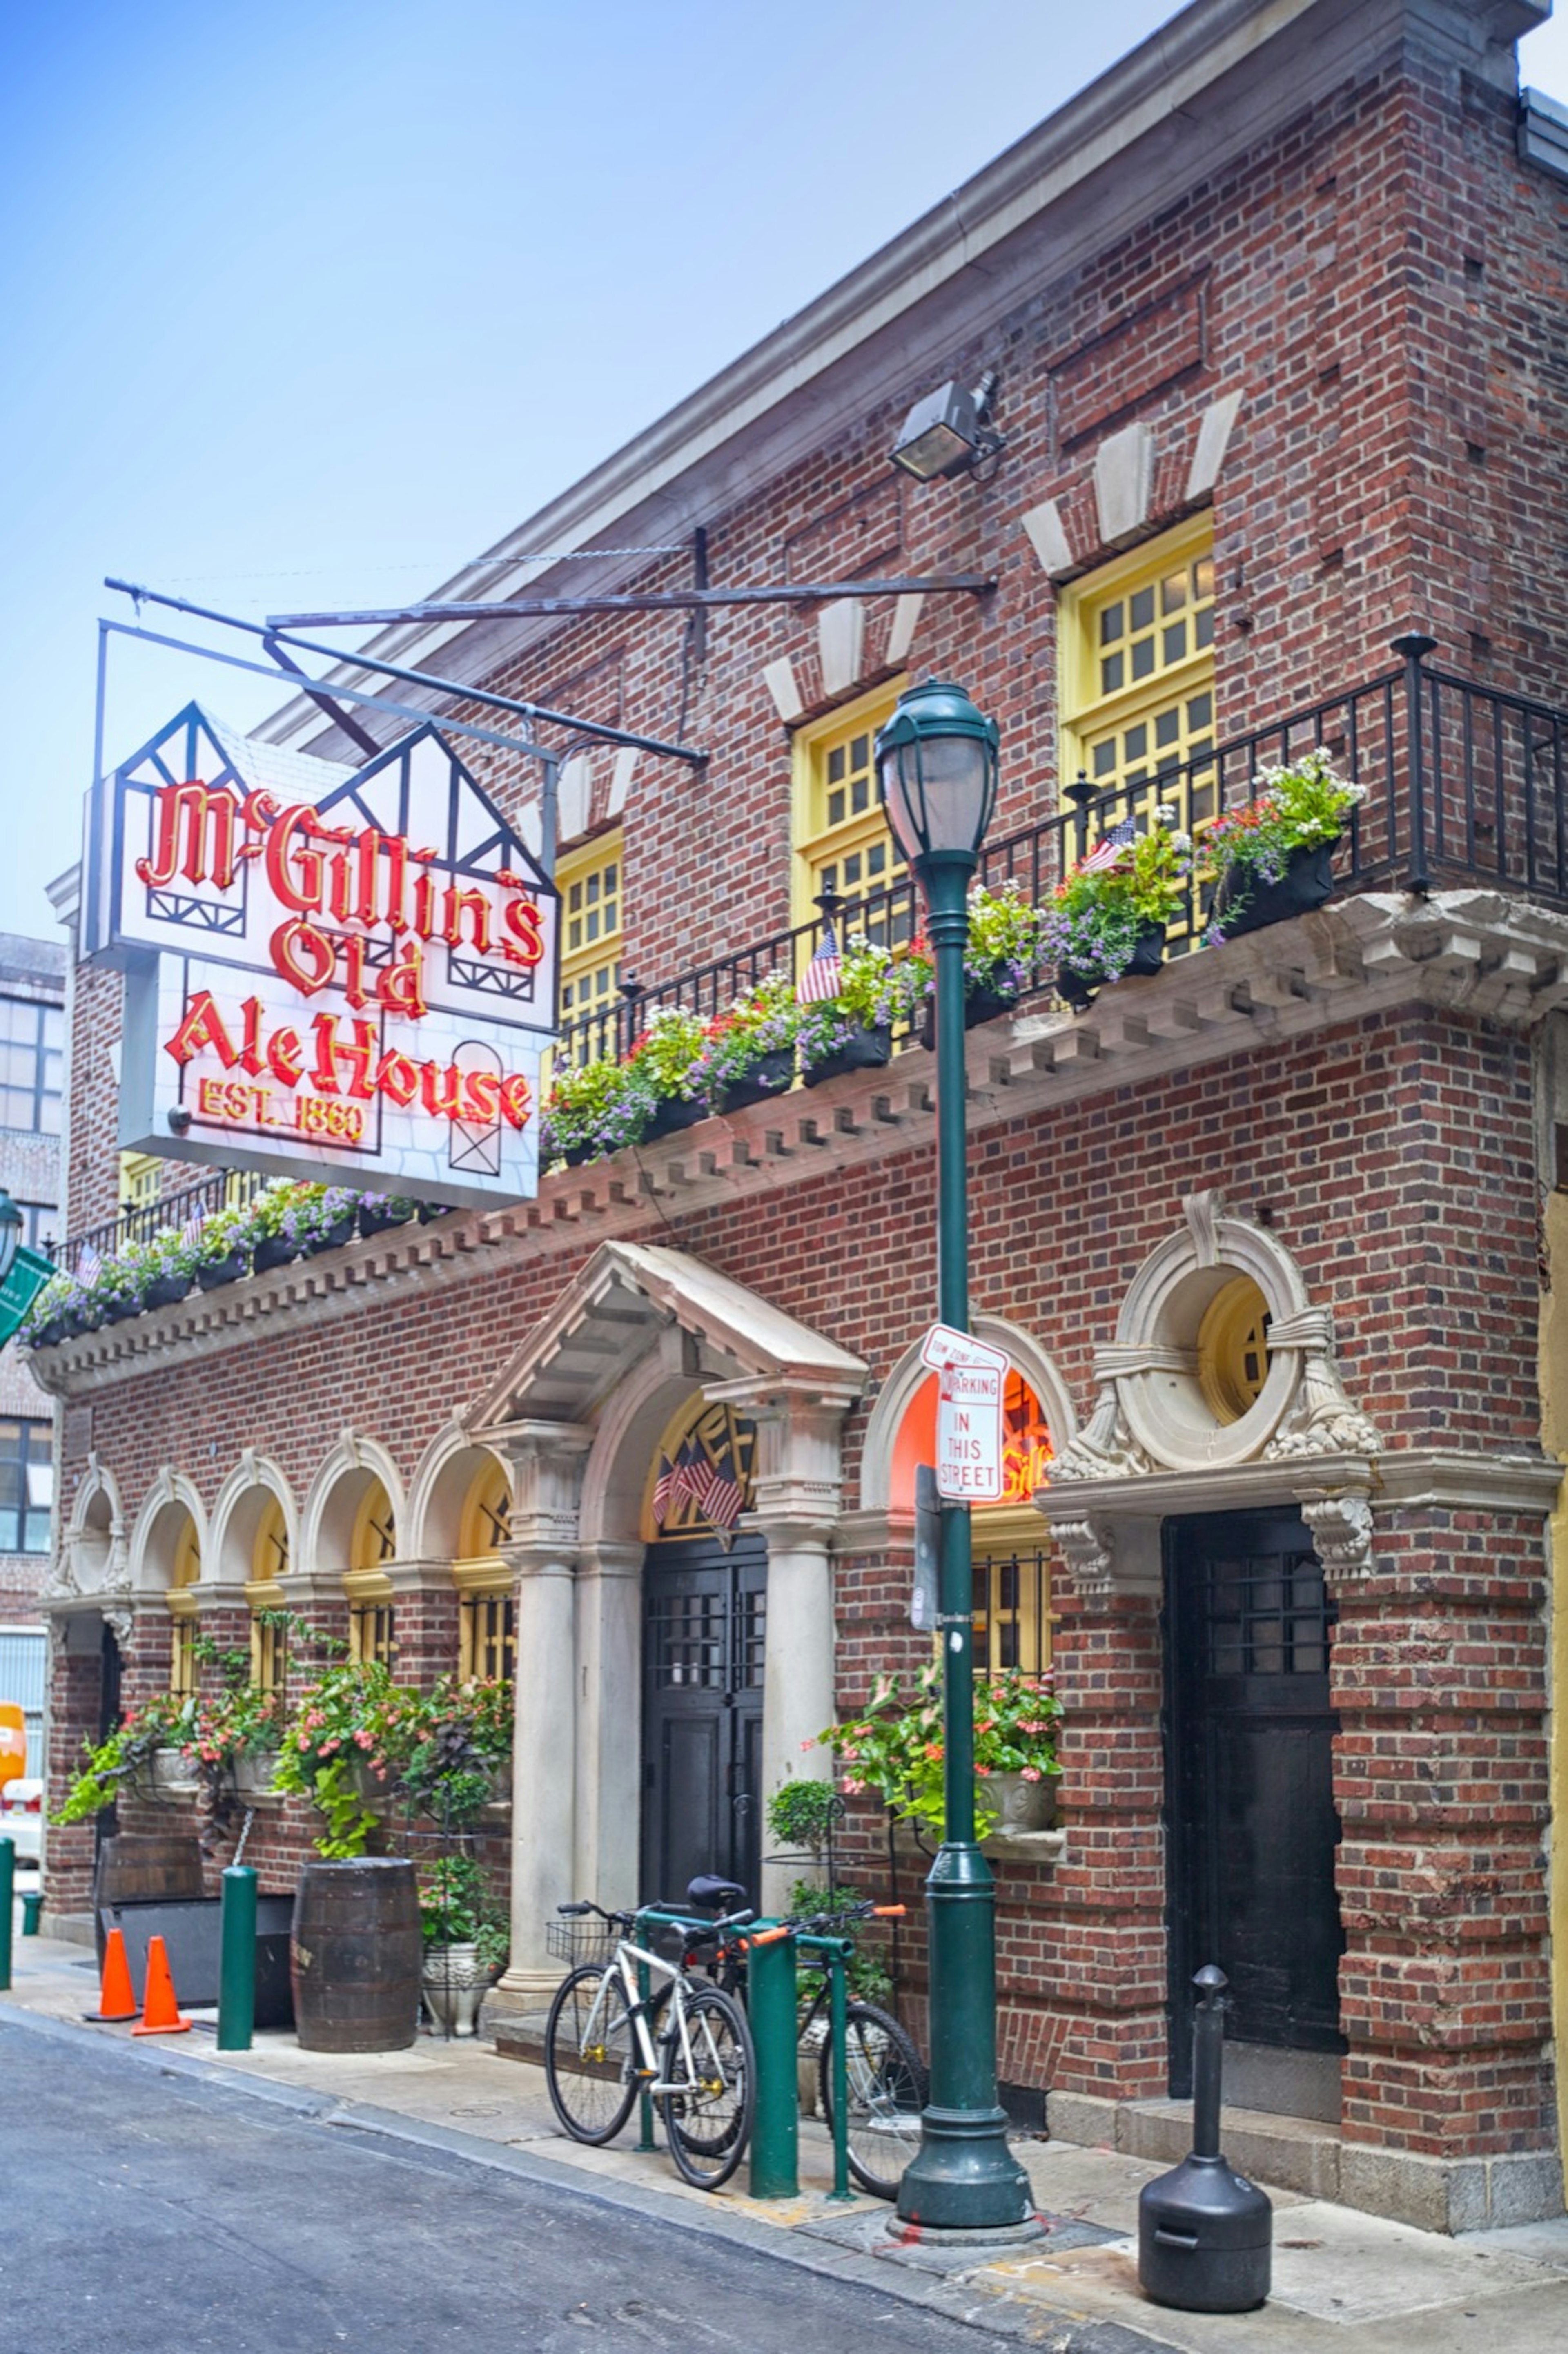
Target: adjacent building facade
(1273, 1239)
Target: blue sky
(305, 305)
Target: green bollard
(645, 2139)
(770, 2008)
(236, 1962)
(839, 2030)
(32, 1905)
(7, 1897)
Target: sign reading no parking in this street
(970, 1380)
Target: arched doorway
(704, 1603)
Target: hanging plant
(1110, 915)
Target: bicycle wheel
(590, 2049)
(886, 2094)
(708, 2122)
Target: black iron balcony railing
(226, 1189)
(1464, 784)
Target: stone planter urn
(454, 1982)
(1020, 1806)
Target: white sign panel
(352, 980)
(971, 1378)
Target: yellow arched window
(372, 1544)
(264, 1593)
(181, 1601)
(1232, 1350)
(487, 1612)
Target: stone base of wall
(1438, 2194)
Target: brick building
(1276, 310)
(32, 1094)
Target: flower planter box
(772, 1075)
(1245, 903)
(1079, 987)
(214, 1272)
(376, 1222)
(671, 1115)
(979, 1005)
(1018, 1805)
(166, 1291)
(574, 1155)
(333, 1239)
(47, 1335)
(864, 1050)
(115, 1311)
(274, 1250)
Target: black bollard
(1205, 2234)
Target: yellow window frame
(140, 1180)
(1014, 1618)
(592, 944)
(1168, 700)
(818, 840)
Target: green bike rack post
(32, 1905)
(236, 1959)
(644, 1988)
(836, 1952)
(774, 2030)
(7, 1894)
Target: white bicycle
(601, 2049)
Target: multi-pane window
(26, 1486)
(39, 1221)
(32, 1060)
(489, 1645)
(1138, 678)
(182, 1598)
(268, 1650)
(140, 1180)
(1013, 1617)
(370, 1633)
(843, 839)
(589, 882)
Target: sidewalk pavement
(1344, 2283)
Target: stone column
(547, 1462)
(609, 1722)
(797, 1488)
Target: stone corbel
(1342, 1526)
(1320, 1418)
(547, 1462)
(1088, 1548)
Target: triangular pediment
(616, 1309)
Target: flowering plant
(141, 1733)
(462, 1745)
(1096, 914)
(595, 1109)
(665, 1057)
(897, 1749)
(1004, 939)
(353, 1721)
(1300, 805)
(878, 986)
(456, 1908)
(765, 1020)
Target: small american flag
(824, 975)
(724, 1501)
(89, 1268)
(1109, 848)
(191, 1231)
(664, 1489)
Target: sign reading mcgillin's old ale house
(336, 972)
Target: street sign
(30, 1270)
(971, 1377)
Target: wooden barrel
(134, 1869)
(356, 1955)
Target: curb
(889, 2275)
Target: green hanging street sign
(30, 1270)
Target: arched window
(373, 1542)
(183, 1575)
(264, 1593)
(1012, 1574)
(488, 1612)
(699, 1482)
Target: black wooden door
(106, 1822)
(1252, 1818)
(704, 1620)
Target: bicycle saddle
(707, 1890)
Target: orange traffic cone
(160, 2011)
(116, 1997)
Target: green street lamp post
(937, 760)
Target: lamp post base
(964, 2181)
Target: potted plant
(1108, 917)
(377, 1211)
(999, 955)
(158, 1723)
(853, 1030)
(167, 1269)
(458, 1750)
(594, 1111)
(466, 1941)
(665, 1063)
(1271, 857)
(748, 1054)
(895, 1750)
(44, 1324)
(278, 1224)
(326, 1218)
(222, 1254)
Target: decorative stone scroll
(1341, 1528)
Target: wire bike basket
(579, 1941)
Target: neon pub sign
(339, 972)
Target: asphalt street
(154, 2213)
